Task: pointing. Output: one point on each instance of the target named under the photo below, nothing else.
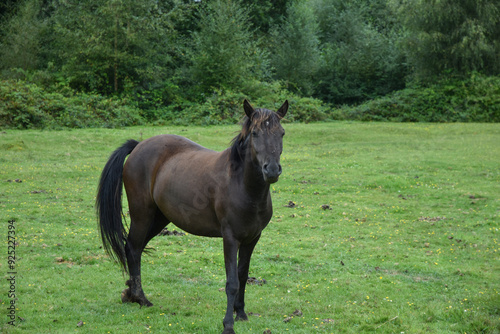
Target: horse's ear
(283, 109)
(249, 110)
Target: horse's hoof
(145, 302)
(128, 298)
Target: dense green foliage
(361, 55)
(295, 51)
(24, 106)
(224, 54)
(452, 35)
(476, 99)
(182, 60)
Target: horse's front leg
(232, 284)
(245, 254)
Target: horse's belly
(193, 220)
(189, 207)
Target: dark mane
(258, 121)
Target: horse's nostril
(265, 167)
(279, 170)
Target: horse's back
(163, 146)
(156, 151)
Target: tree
(451, 35)
(107, 46)
(224, 52)
(295, 48)
(359, 47)
(7, 9)
(21, 44)
(266, 13)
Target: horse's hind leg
(142, 229)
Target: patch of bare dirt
(255, 281)
(165, 231)
(432, 219)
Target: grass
(395, 229)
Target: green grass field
(395, 230)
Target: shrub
(24, 105)
(302, 109)
(475, 99)
(226, 107)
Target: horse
(171, 179)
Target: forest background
(95, 63)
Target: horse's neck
(253, 181)
(248, 176)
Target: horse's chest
(250, 222)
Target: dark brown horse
(170, 179)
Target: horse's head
(264, 139)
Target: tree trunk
(115, 67)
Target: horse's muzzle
(271, 172)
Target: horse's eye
(254, 133)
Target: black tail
(109, 204)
